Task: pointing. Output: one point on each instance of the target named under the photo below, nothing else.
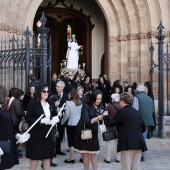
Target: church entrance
(59, 20)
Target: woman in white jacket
(72, 115)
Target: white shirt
(10, 101)
(46, 109)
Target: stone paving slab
(157, 158)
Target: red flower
(5, 107)
(90, 85)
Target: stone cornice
(139, 36)
(9, 29)
(151, 34)
(113, 39)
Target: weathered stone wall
(132, 24)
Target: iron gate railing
(21, 57)
(163, 68)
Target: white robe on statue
(72, 55)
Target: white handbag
(102, 127)
(86, 134)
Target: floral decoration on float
(73, 72)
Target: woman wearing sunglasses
(38, 146)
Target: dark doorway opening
(58, 33)
(57, 21)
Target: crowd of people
(72, 106)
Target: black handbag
(5, 146)
(109, 135)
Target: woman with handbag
(112, 110)
(72, 114)
(130, 126)
(7, 135)
(88, 143)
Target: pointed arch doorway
(57, 20)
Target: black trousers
(60, 137)
(71, 135)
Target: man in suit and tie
(63, 98)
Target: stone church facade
(131, 26)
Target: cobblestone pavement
(157, 158)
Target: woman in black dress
(116, 84)
(53, 83)
(148, 91)
(7, 132)
(76, 82)
(104, 87)
(90, 115)
(38, 146)
(28, 96)
(87, 86)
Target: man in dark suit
(125, 86)
(129, 127)
(63, 98)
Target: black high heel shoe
(81, 160)
(71, 161)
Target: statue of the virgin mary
(72, 55)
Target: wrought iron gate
(163, 68)
(21, 57)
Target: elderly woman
(144, 104)
(112, 110)
(129, 127)
(7, 132)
